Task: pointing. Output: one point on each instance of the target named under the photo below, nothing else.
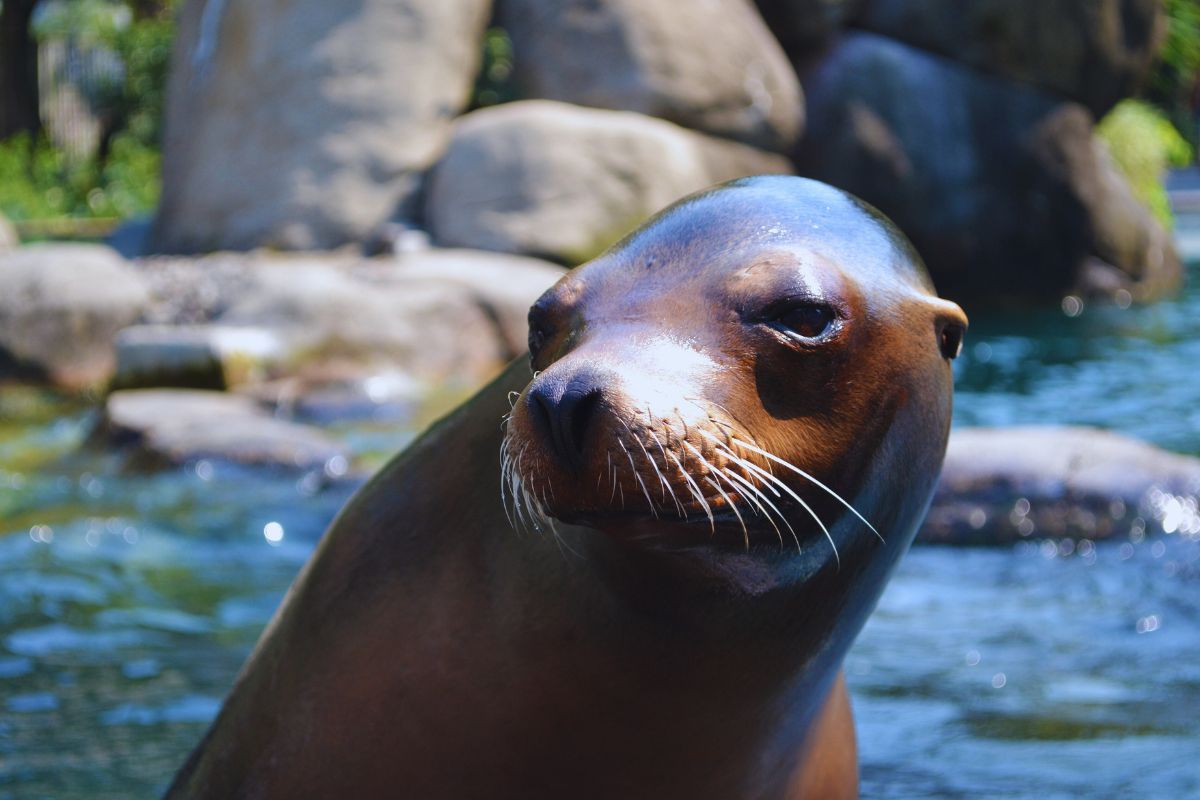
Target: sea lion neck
(616, 664)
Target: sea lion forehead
(737, 219)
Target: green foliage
(1181, 49)
(1143, 143)
(135, 102)
(495, 83)
(145, 48)
(39, 181)
(1175, 77)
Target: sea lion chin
(730, 429)
(754, 370)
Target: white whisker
(808, 477)
(732, 507)
(753, 496)
(695, 490)
(638, 477)
(666, 487)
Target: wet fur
(440, 644)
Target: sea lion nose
(564, 407)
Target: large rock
(1001, 485)
(306, 124)
(1001, 187)
(61, 306)
(172, 427)
(1092, 51)
(714, 68)
(564, 182)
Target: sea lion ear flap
(951, 327)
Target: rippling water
(128, 602)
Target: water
(128, 602)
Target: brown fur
(429, 651)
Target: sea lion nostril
(579, 418)
(565, 410)
(542, 408)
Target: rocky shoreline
(249, 357)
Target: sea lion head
(761, 371)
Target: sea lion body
(651, 628)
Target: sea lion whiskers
(642, 483)
(613, 472)
(732, 507)
(772, 479)
(512, 477)
(754, 470)
(662, 450)
(755, 496)
(728, 500)
(695, 490)
(534, 516)
(505, 465)
(808, 477)
(665, 485)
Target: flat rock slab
(60, 307)
(194, 356)
(1002, 485)
(171, 427)
(241, 320)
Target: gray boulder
(1093, 52)
(60, 307)
(329, 318)
(172, 427)
(713, 67)
(304, 125)
(1001, 485)
(503, 285)
(563, 182)
(999, 186)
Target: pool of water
(128, 601)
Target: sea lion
(729, 430)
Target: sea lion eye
(950, 341)
(807, 320)
(537, 338)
